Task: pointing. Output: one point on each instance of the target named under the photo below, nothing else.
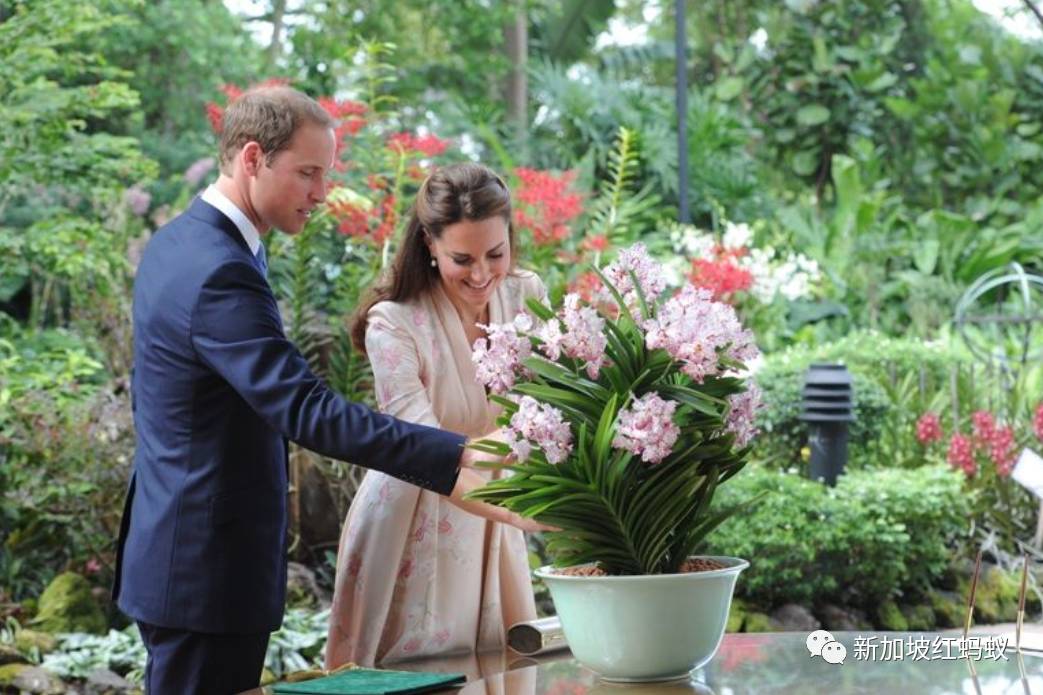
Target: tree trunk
(1035, 10)
(515, 35)
(274, 48)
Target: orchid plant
(624, 416)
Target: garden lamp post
(827, 407)
(681, 97)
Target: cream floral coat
(416, 576)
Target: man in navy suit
(217, 391)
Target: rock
(301, 588)
(8, 672)
(842, 619)
(736, 616)
(37, 680)
(792, 617)
(67, 606)
(105, 682)
(919, 617)
(955, 573)
(27, 640)
(319, 522)
(949, 610)
(890, 617)
(758, 622)
(996, 599)
(10, 655)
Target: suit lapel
(208, 214)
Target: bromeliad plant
(624, 419)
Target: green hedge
(876, 535)
(887, 375)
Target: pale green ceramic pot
(645, 627)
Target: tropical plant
(625, 421)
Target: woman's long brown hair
(451, 194)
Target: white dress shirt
(220, 201)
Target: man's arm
(236, 331)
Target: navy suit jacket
(217, 390)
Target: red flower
(546, 204)
(351, 220)
(1037, 422)
(340, 109)
(596, 242)
(231, 92)
(375, 225)
(405, 143)
(587, 286)
(721, 276)
(928, 428)
(348, 115)
(215, 113)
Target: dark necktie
(262, 259)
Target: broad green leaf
(812, 115)
(729, 88)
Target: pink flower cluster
(650, 276)
(1001, 449)
(984, 425)
(695, 330)
(998, 442)
(584, 337)
(929, 428)
(646, 428)
(742, 414)
(543, 425)
(498, 358)
(961, 454)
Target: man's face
(287, 189)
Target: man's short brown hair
(269, 116)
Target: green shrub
(876, 535)
(66, 441)
(894, 380)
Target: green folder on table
(367, 681)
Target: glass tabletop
(875, 662)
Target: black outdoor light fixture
(827, 406)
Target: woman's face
(473, 259)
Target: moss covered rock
(890, 617)
(8, 672)
(758, 622)
(949, 610)
(736, 615)
(27, 640)
(996, 598)
(10, 655)
(66, 605)
(919, 617)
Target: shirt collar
(220, 201)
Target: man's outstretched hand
(471, 458)
(470, 480)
